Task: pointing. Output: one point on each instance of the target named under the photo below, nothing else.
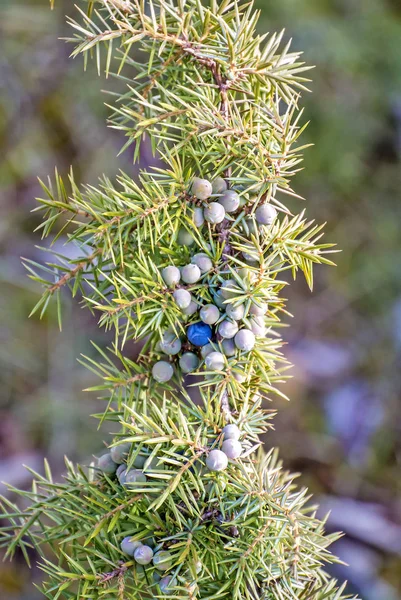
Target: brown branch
(71, 274)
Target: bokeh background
(342, 426)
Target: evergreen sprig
(215, 101)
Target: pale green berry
(207, 349)
(229, 289)
(106, 464)
(170, 344)
(162, 560)
(183, 298)
(128, 546)
(143, 555)
(219, 185)
(189, 362)
(171, 275)
(215, 361)
(228, 329)
(247, 274)
(235, 312)
(198, 217)
(139, 461)
(214, 213)
(162, 371)
(191, 273)
(258, 308)
(120, 453)
(201, 188)
(134, 476)
(185, 238)
(218, 299)
(231, 432)
(216, 461)
(209, 314)
(240, 377)
(232, 448)
(257, 325)
(191, 309)
(229, 348)
(245, 340)
(230, 201)
(121, 473)
(167, 584)
(265, 214)
(202, 261)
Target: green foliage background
(341, 428)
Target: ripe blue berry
(216, 461)
(219, 185)
(215, 361)
(183, 298)
(189, 362)
(230, 201)
(143, 555)
(209, 314)
(162, 371)
(162, 560)
(232, 448)
(191, 273)
(245, 340)
(128, 546)
(199, 333)
(265, 214)
(171, 275)
(106, 464)
(201, 188)
(214, 213)
(231, 432)
(228, 329)
(120, 453)
(202, 261)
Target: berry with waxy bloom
(143, 555)
(162, 560)
(185, 238)
(201, 188)
(229, 289)
(121, 473)
(245, 340)
(170, 343)
(209, 314)
(191, 273)
(215, 361)
(231, 432)
(265, 214)
(106, 464)
(230, 201)
(166, 585)
(191, 309)
(120, 453)
(258, 308)
(228, 329)
(128, 546)
(189, 362)
(199, 333)
(183, 298)
(207, 349)
(162, 371)
(198, 217)
(235, 312)
(229, 348)
(214, 213)
(219, 185)
(171, 275)
(134, 476)
(257, 325)
(202, 261)
(216, 460)
(232, 448)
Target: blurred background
(342, 428)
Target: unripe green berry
(183, 298)
(235, 312)
(120, 453)
(198, 217)
(232, 448)
(258, 308)
(189, 362)
(207, 349)
(228, 289)
(162, 560)
(128, 546)
(229, 348)
(230, 201)
(202, 261)
(265, 214)
(247, 274)
(139, 461)
(185, 238)
(191, 309)
(106, 464)
(257, 325)
(216, 461)
(209, 314)
(219, 185)
(191, 273)
(143, 555)
(167, 584)
(245, 340)
(228, 329)
(215, 361)
(134, 476)
(231, 432)
(171, 275)
(162, 371)
(201, 188)
(214, 213)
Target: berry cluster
(228, 324)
